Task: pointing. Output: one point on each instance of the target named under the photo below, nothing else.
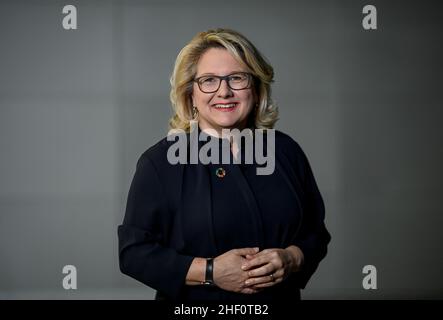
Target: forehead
(219, 62)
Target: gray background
(77, 108)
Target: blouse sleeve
(313, 237)
(143, 254)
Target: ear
(256, 97)
(255, 89)
(192, 98)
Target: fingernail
(244, 267)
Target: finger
(263, 252)
(255, 262)
(262, 271)
(245, 251)
(278, 276)
(276, 279)
(267, 253)
(258, 254)
(265, 285)
(251, 290)
(272, 256)
(258, 280)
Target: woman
(221, 231)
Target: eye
(208, 80)
(237, 77)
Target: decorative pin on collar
(220, 172)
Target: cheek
(247, 99)
(201, 98)
(198, 97)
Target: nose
(224, 90)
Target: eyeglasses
(235, 81)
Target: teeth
(231, 105)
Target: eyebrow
(213, 74)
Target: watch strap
(209, 274)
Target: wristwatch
(209, 280)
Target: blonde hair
(185, 68)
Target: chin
(226, 124)
(228, 121)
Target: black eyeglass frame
(226, 78)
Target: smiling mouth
(225, 106)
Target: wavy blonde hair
(266, 113)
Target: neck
(217, 131)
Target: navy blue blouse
(275, 206)
(177, 212)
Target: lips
(225, 106)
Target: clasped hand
(248, 270)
